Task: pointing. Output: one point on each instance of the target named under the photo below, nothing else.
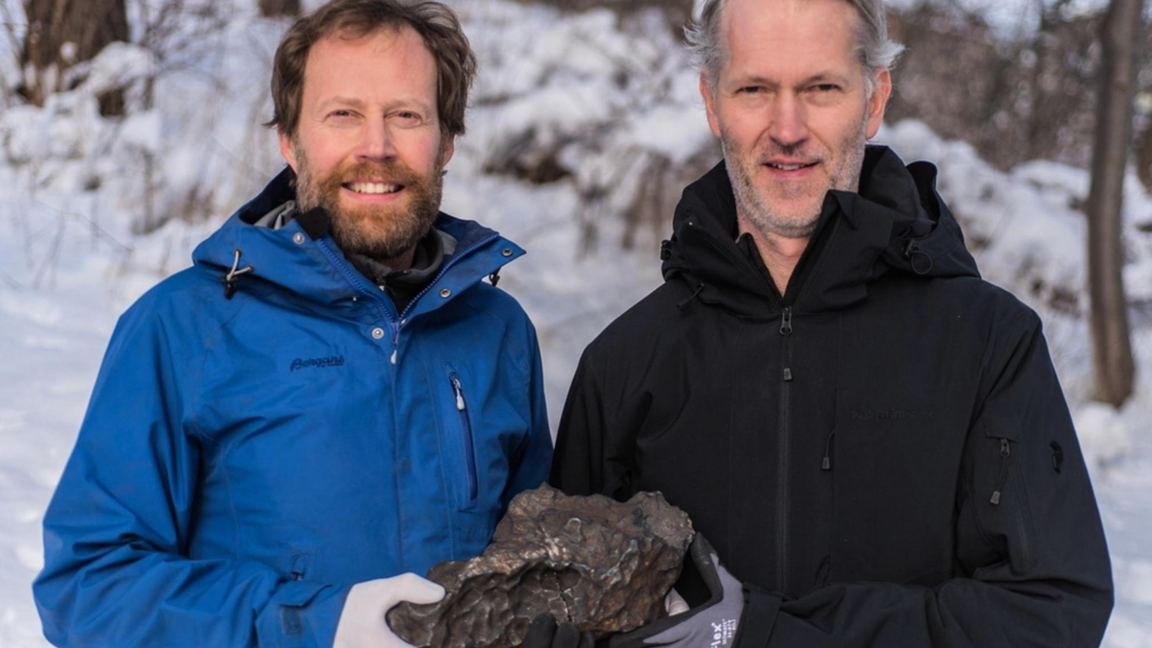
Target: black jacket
(884, 449)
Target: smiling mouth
(789, 167)
(373, 188)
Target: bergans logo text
(317, 363)
(891, 415)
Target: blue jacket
(245, 460)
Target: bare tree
(1121, 35)
(62, 34)
(1025, 95)
(274, 8)
(678, 11)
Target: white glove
(362, 623)
(674, 603)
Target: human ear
(709, 104)
(878, 101)
(286, 149)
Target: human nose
(376, 140)
(789, 125)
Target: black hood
(896, 223)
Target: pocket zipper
(1005, 453)
(466, 429)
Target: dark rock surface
(592, 561)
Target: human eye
(407, 118)
(342, 116)
(821, 94)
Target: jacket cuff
(302, 614)
(759, 617)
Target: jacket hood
(896, 223)
(265, 241)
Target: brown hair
(436, 24)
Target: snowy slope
(70, 259)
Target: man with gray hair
(871, 437)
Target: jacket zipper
(396, 323)
(466, 430)
(444, 269)
(1005, 454)
(997, 498)
(402, 317)
(395, 326)
(791, 296)
(783, 496)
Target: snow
(72, 255)
(1009, 16)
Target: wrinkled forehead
(776, 16)
(816, 32)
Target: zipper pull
(1005, 452)
(786, 321)
(396, 340)
(459, 393)
(826, 464)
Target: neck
(780, 254)
(400, 262)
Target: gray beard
(758, 213)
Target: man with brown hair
(331, 400)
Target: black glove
(712, 624)
(543, 632)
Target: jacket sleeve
(116, 571)
(1032, 566)
(593, 442)
(531, 461)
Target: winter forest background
(116, 158)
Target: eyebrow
(820, 77)
(353, 102)
(341, 101)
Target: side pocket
(1006, 496)
(466, 435)
(291, 620)
(299, 565)
(1005, 460)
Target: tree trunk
(62, 33)
(679, 11)
(1121, 35)
(1144, 155)
(274, 8)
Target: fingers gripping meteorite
(602, 565)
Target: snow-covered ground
(71, 187)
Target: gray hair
(873, 47)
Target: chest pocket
(896, 459)
(462, 444)
(481, 427)
(467, 464)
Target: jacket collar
(896, 223)
(301, 257)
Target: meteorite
(602, 565)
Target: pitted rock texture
(600, 564)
